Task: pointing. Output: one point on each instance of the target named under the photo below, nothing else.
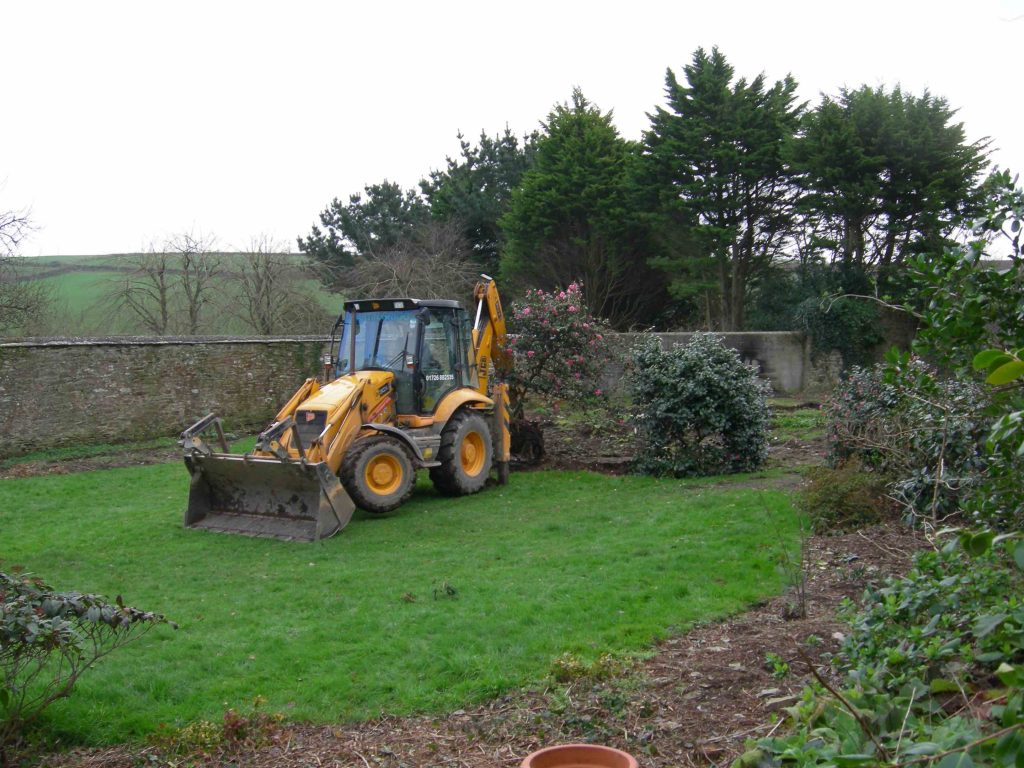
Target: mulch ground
(696, 701)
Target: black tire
(378, 473)
(465, 455)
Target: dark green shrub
(698, 408)
(923, 433)
(47, 640)
(933, 666)
(844, 498)
(848, 326)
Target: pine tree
(715, 160)
(386, 216)
(572, 218)
(888, 175)
(475, 190)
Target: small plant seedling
(776, 665)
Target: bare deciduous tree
(434, 263)
(199, 265)
(167, 288)
(271, 293)
(145, 291)
(22, 301)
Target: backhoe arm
(488, 331)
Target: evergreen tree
(385, 217)
(474, 191)
(714, 163)
(886, 174)
(572, 217)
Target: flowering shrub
(699, 409)
(559, 349)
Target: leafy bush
(698, 408)
(932, 668)
(922, 433)
(845, 325)
(843, 498)
(967, 306)
(999, 501)
(47, 640)
(559, 349)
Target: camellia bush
(931, 672)
(558, 349)
(920, 433)
(699, 409)
(47, 640)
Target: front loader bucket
(266, 497)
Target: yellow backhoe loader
(408, 385)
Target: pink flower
(572, 310)
(573, 287)
(525, 311)
(597, 391)
(529, 353)
(561, 295)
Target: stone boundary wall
(782, 357)
(72, 391)
(59, 392)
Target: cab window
(438, 357)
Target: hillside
(81, 289)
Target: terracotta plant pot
(579, 756)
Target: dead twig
(864, 725)
(977, 742)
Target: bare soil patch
(127, 457)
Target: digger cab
(426, 344)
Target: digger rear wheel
(378, 473)
(465, 455)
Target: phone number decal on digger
(440, 377)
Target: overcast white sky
(128, 121)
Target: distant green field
(80, 287)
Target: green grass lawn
(798, 424)
(555, 562)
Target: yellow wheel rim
(472, 454)
(383, 474)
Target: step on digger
(408, 385)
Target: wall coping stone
(153, 341)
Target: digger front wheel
(465, 455)
(378, 473)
